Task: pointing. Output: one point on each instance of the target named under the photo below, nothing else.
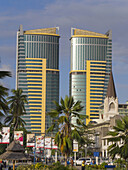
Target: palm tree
(3, 94)
(17, 109)
(119, 139)
(4, 73)
(3, 102)
(66, 111)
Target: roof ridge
(42, 30)
(86, 32)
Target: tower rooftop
(86, 33)
(47, 31)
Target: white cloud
(5, 68)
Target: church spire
(111, 92)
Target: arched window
(112, 107)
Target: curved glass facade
(91, 55)
(38, 75)
(77, 87)
(43, 46)
(84, 49)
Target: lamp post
(85, 150)
(75, 149)
(96, 146)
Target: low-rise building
(109, 112)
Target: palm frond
(62, 119)
(75, 135)
(50, 129)
(53, 113)
(4, 74)
(120, 134)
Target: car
(105, 160)
(80, 160)
(88, 161)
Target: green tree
(86, 140)
(4, 74)
(66, 112)
(3, 95)
(16, 109)
(119, 139)
(3, 102)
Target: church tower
(110, 106)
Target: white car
(80, 160)
(88, 161)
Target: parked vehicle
(88, 161)
(80, 160)
(105, 160)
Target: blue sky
(93, 15)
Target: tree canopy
(68, 130)
(119, 139)
(16, 108)
(3, 95)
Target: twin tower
(37, 72)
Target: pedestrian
(91, 163)
(83, 165)
(71, 162)
(5, 164)
(46, 160)
(68, 162)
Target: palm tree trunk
(66, 159)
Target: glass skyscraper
(91, 65)
(37, 74)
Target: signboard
(30, 140)
(5, 134)
(39, 141)
(18, 135)
(75, 146)
(96, 154)
(54, 146)
(47, 143)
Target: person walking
(71, 162)
(83, 165)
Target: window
(112, 107)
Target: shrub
(103, 165)
(25, 167)
(93, 167)
(58, 166)
(39, 166)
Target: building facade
(110, 111)
(91, 65)
(37, 74)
